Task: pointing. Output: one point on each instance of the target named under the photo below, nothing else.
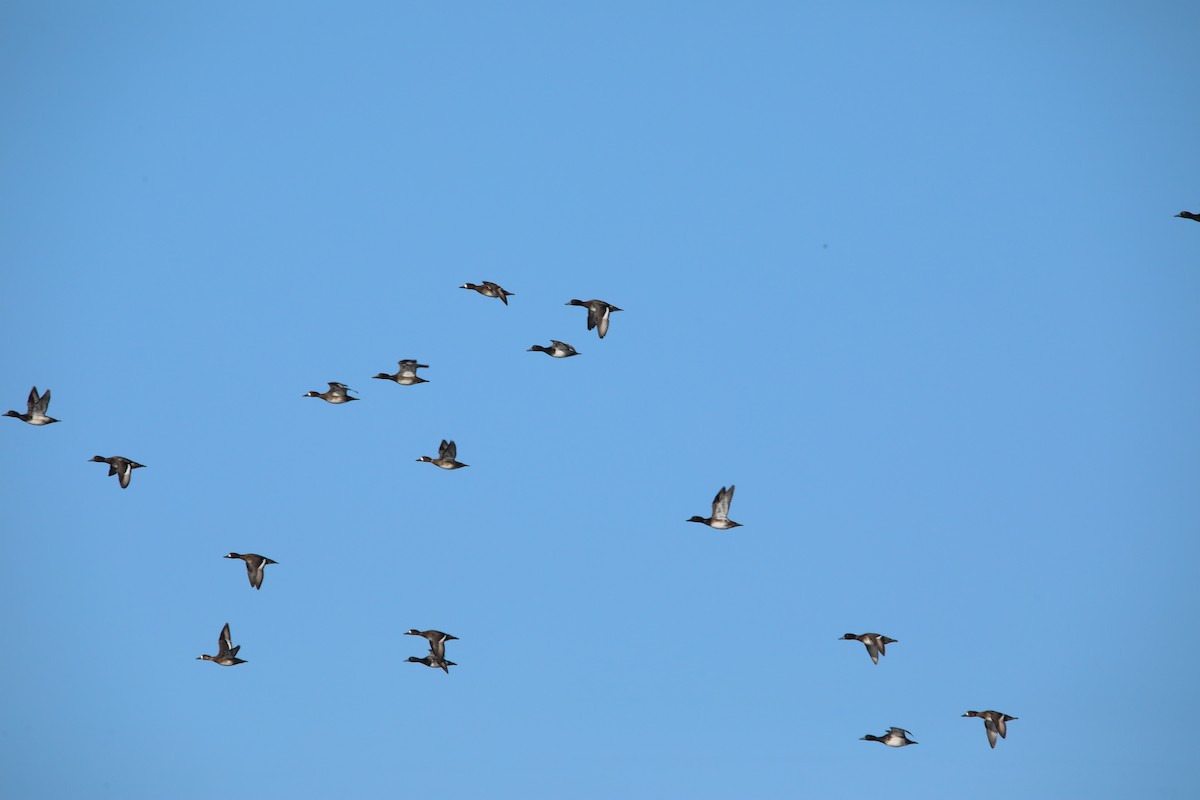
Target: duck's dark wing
(448, 450)
(1001, 727)
(602, 319)
(872, 650)
(593, 316)
(37, 405)
(225, 643)
(125, 472)
(437, 647)
(254, 570)
(900, 732)
(992, 730)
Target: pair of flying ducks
(406, 375)
(598, 310)
(38, 404)
(994, 722)
(436, 657)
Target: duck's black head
(313, 394)
(412, 632)
(849, 636)
(98, 458)
(416, 660)
(698, 519)
(575, 303)
(971, 714)
(233, 555)
(383, 375)
(11, 414)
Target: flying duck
(895, 737)
(875, 643)
(720, 511)
(598, 312)
(226, 653)
(407, 374)
(556, 349)
(1188, 215)
(437, 640)
(254, 566)
(489, 289)
(36, 413)
(995, 724)
(120, 466)
(432, 660)
(447, 452)
(337, 393)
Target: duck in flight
(489, 289)
(556, 349)
(995, 724)
(432, 660)
(447, 452)
(598, 312)
(120, 466)
(337, 394)
(226, 653)
(1188, 215)
(876, 644)
(407, 374)
(720, 511)
(254, 566)
(36, 409)
(895, 737)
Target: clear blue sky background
(907, 274)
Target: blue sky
(908, 276)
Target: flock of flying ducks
(339, 393)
